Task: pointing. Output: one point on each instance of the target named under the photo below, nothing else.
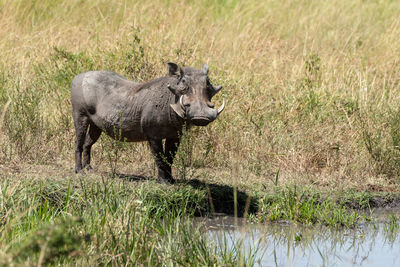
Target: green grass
(305, 206)
(105, 222)
(102, 219)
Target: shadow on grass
(129, 177)
(221, 198)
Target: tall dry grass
(312, 86)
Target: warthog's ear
(214, 90)
(205, 69)
(174, 70)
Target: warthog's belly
(127, 135)
(133, 137)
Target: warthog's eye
(184, 86)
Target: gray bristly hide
(103, 101)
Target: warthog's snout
(199, 113)
(204, 115)
(202, 121)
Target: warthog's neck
(143, 111)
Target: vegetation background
(312, 88)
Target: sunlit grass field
(312, 86)
(312, 91)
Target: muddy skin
(103, 101)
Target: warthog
(133, 112)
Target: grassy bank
(98, 219)
(106, 221)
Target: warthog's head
(194, 92)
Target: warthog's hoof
(166, 181)
(83, 169)
(78, 169)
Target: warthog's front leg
(162, 160)
(171, 146)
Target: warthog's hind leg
(91, 138)
(81, 123)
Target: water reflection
(284, 244)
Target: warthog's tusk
(221, 108)
(179, 108)
(181, 102)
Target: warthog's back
(88, 89)
(114, 103)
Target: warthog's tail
(3, 114)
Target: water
(284, 244)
